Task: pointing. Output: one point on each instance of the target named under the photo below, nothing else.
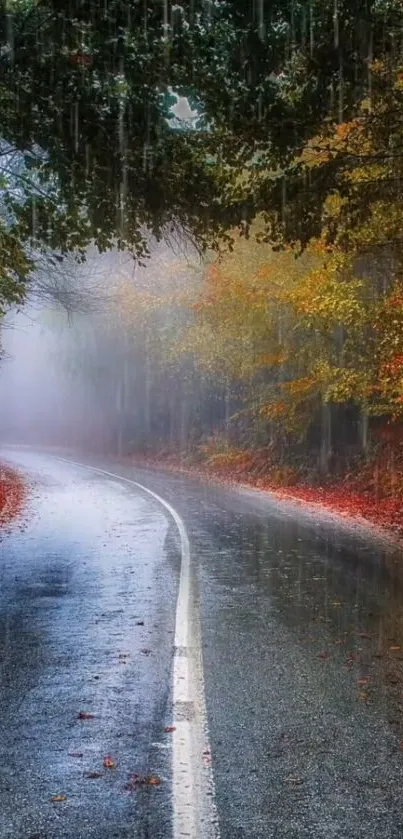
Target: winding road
(182, 660)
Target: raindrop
(336, 24)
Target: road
(275, 648)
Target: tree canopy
(87, 88)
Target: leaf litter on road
(109, 762)
(85, 715)
(136, 780)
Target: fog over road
(300, 624)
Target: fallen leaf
(363, 681)
(363, 695)
(136, 780)
(352, 658)
(57, 798)
(324, 654)
(109, 763)
(395, 647)
(94, 775)
(169, 728)
(84, 715)
(76, 754)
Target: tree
(86, 96)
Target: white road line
(194, 809)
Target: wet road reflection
(302, 635)
(304, 648)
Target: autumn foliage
(12, 494)
(279, 361)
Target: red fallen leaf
(109, 763)
(169, 728)
(363, 681)
(324, 654)
(351, 659)
(84, 715)
(94, 775)
(364, 634)
(76, 754)
(401, 745)
(136, 780)
(57, 798)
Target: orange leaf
(153, 780)
(56, 798)
(109, 763)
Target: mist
(86, 362)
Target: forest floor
(13, 492)
(372, 492)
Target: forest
(249, 323)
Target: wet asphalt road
(302, 638)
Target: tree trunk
(326, 438)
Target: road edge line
(192, 818)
